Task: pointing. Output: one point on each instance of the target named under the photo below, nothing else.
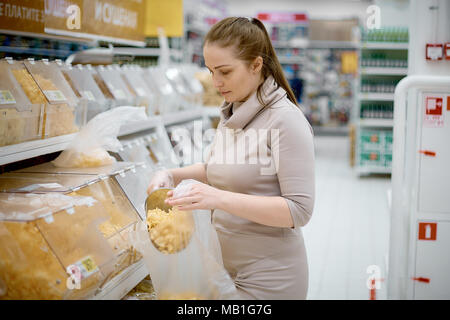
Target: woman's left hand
(201, 196)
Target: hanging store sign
(276, 17)
(22, 15)
(120, 21)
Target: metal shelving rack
(374, 154)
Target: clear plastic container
(168, 100)
(144, 96)
(188, 72)
(64, 113)
(111, 80)
(43, 237)
(20, 119)
(182, 88)
(120, 217)
(84, 86)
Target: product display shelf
(30, 149)
(384, 71)
(377, 80)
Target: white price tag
(54, 95)
(6, 97)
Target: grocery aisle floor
(349, 230)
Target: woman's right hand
(161, 179)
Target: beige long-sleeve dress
(267, 152)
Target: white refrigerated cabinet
(419, 257)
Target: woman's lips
(224, 92)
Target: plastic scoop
(171, 233)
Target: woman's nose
(217, 83)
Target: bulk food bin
(20, 116)
(64, 113)
(143, 95)
(109, 80)
(120, 218)
(168, 100)
(181, 87)
(84, 87)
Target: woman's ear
(257, 64)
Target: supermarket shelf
(330, 131)
(145, 52)
(37, 51)
(30, 149)
(385, 45)
(362, 170)
(291, 60)
(315, 44)
(182, 116)
(372, 96)
(123, 283)
(381, 123)
(137, 126)
(384, 71)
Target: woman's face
(234, 79)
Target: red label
(427, 230)
(434, 106)
(448, 103)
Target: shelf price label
(6, 97)
(54, 95)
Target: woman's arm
(271, 211)
(196, 171)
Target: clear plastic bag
(194, 273)
(89, 147)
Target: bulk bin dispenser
(20, 115)
(113, 221)
(84, 86)
(64, 113)
(143, 95)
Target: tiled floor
(349, 230)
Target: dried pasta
(170, 231)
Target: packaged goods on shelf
(85, 87)
(64, 113)
(143, 95)
(20, 118)
(113, 232)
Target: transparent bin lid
(168, 100)
(43, 182)
(51, 82)
(83, 83)
(20, 120)
(133, 77)
(114, 83)
(37, 254)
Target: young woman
(258, 211)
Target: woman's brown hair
(250, 39)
